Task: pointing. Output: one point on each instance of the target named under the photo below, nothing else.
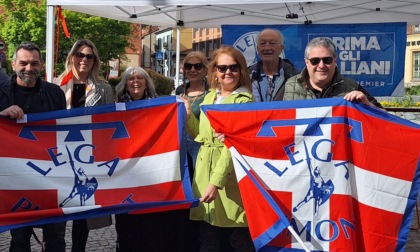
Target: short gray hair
(321, 42)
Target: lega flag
(87, 162)
(344, 175)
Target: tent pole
(178, 31)
(49, 46)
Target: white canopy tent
(214, 13)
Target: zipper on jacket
(334, 84)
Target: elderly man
(321, 78)
(270, 73)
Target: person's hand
(187, 104)
(358, 96)
(210, 194)
(220, 137)
(13, 112)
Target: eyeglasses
(197, 66)
(315, 61)
(223, 68)
(89, 57)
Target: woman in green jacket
(220, 212)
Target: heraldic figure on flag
(319, 190)
(83, 186)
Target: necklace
(192, 99)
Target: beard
(29, 76)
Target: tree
(25, 20)
(109, 36)
(22, 20)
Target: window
(202, 46)
(416, 65)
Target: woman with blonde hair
(83, 87)
(81, 82)
(194, 88)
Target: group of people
(80, 85)
(219, 222)
(220, 214)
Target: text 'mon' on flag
(346, 176)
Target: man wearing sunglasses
(322, 79)
(270, 73)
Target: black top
(28, 99)
(79, 96)
(43, 97)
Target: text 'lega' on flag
(87, 162)
(345, 176)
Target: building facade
(206, 40)
(412, 57)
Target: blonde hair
(200, 56)
(94, 73)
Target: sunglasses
(197, 66)
(89, 57)
(223, 68)
(316, 60)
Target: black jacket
(51, 95)
(3, 76)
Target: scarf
(92, 93)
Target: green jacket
(297, 88)
(214, 165)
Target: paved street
(103, 240)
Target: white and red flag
(87, 162)
(341, 175)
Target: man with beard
(25, 93)
(270, 73)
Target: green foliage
(162, 84)
(109, 36)
(114, 81)
(25, 20)
(403, 102)
(415, 90)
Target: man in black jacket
(270, 73)
(3, 75)
(24, 93)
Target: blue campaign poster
(371, 54)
